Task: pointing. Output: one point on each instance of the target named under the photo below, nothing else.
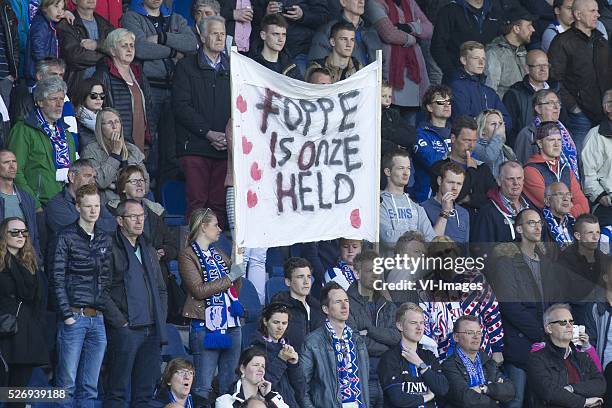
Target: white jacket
(597, 163)
(228, 400)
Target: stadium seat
(250, 301)
(174, 201)
(175, 347)
(273, 286)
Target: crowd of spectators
(496, 146)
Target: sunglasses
(563, 323)
(16, 232)
(95, 95)
(443, 103)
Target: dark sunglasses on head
(16, 232)
(95, 95)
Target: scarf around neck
(402, 58)
(474, 368)
(560, 231)
(568, 150)
(87, 118)
(59, 141)
(347, 366)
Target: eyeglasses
(562, 195)
(16, 232)
(444, 102)
(134, 217)
(533, 223)
(184, 373)
(471, 333)
(539, 66)
(136, 182)
(96, 95)
(556, 104)
(563, 323)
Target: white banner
(306, 157)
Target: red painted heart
(355, 218)
(255, 171)
(241, 104)
(251, 199)
(246, 145)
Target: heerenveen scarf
(346, 270)
(59, 141)
(568, 150)
(347, 366)
(213, 268)
(474, 369)
(559, 231)
(188, 402)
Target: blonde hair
(406, 307)
(198, 218)
(100, 137)
(114, 37)
(26, 254)
(481, 120)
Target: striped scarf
(346, 365)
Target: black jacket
(28, 345)
(28, 207)
(521, 303)
(285, 65)
(396, 131)
(299, 326)
(77, 57)
(9, 24)
(201, 101)
(403, 387)
(116, 307)
(287, 379)
(547, 375)
(518, 101)
(80, 270)
(583, 66)
(459, 22)
(460, 395)
(300, 32)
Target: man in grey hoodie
(398, 213)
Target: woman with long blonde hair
(111, 153)
(212, 285)
(22, 294)
(491, 147)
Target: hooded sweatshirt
(399, 214)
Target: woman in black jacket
(22, 292)
(282, 359)
(175, 386)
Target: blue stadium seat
(250, 301)
(273, 286)
(174, 201)
(275, 258)
(175, 347)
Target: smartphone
(287, 9)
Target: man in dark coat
(135, 312)
(201, 100)
(558, 374)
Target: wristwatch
(423, 367)
(483, 389)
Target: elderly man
(518, 98)
(556, 211)
(485, 386)
(201, 100)
(597, 164)
(580, 60)
(559, 375)
(44, 148)
(548, 166)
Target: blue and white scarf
(568, 149)
(213, 268)
(474, 369)
(347, 366)
(188, 402)
(561, 232)
(59, 141)
(341, 273)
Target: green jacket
(35, 165)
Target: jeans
(80, 349)
(301, 60)
(518, 376)
(135, 359)
(207, 361)
(578, 126)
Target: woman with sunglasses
(282, 359)
(252, 383)
(212, 284)
(175, 386)
(22, 293)
(491, 147)
(111, 153)
(88, 101)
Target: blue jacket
(471, 96)
(42, 42)
(430, 147)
